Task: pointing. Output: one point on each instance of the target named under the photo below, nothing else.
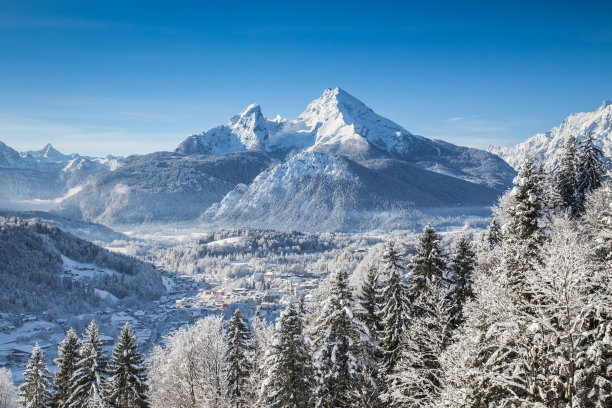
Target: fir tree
(34, 392)
(288, 364)
(528, 204)
(428, 265)
(127, 386)
(395, 313)
(335, 358)
(66, 362)
(524, 208)
(564, 181)
(591, 170)
(370, 302)
(461, 279)
(417, 380)
(92, 369)
(371, 353)
(493, 234)
(238, 361)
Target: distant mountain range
(338, 166)
(548, 147)
(46, 174)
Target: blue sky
(124, 77)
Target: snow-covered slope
(547, 147)
(162, 187)
(319, 191)
(45, 174)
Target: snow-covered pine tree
(289, 370)
(336, 340)
(371, 354)
(127, 386)
(66, 362)
(417, 379)
(598, 215)
(493, 234)
(462, 268)
(92, 369)
(238, 360)
(564, 179)
(394, 315)
(262, 338)
(370, 302)
(591, 170)
(523, 210)
(34, 392)
(427, 266)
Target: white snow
(548, 147)
(336, 122)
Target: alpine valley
(357, 237)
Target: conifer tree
(238, 360)
(288, 364)
(34, 392)
(493, 234)
(92, 369)
(395, 313)
(127, 387)
(528, 207)
(66, 362)
(591, 170)
(417, 379)
(524, 208)
(371, 354)
(564, 181)
(370, 302)
(336, 340)
(461, 279)
(428, 265)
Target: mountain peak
(606, 103)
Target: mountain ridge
(547, 147)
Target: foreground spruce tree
(524, 209)
(127, 386)
(92, 369)
(428, 264)
(564, 181)
(591, 170)
(370, 301)
(238, 360)
(34, 392)
(461, 279)
(288, 364)
(336, 342)
(66, 362)
(395, 312)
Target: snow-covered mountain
(316, 191)
(547, 147)
(338, 123)
(326, 169)
(45, 174)
(162, 187)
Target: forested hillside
(35, 279)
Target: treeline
(31, 271)
(85, 375)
